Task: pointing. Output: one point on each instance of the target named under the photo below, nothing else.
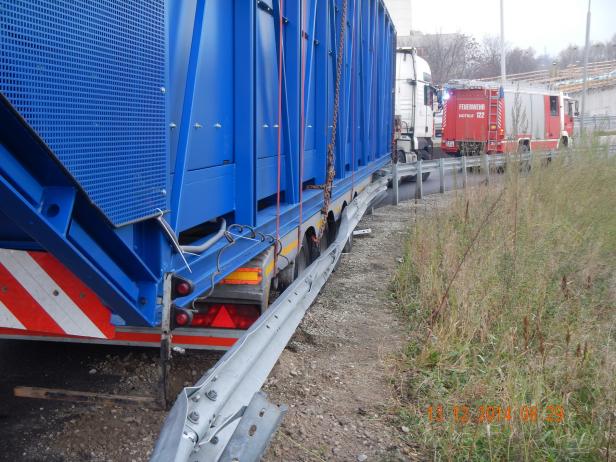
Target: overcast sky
(545, 25)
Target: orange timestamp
(528, 413)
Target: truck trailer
(164, 164)
(483, 117)
(414, 109)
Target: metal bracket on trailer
(204, 418)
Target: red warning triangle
(223, 319)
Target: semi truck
(484, 117)
(165, 164)
(414, 110)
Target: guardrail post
(441, 174)
(486, 166)
(464, 172)
(394, 180)
(419, 183)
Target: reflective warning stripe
(48, 294)
(23, 306)
(8, 319)
(77, 291)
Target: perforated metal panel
(89, 76)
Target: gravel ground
(55, 431)
(334, 376)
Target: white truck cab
(414, 110)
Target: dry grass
(510, 297)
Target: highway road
(453, 180)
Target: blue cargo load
(144, 138)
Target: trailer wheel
(329, 234)
(303, 258)
(349, 244)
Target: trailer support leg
(165, 343)
(441, 174)
(394, 182)
(419, 183)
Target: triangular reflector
(223, 319)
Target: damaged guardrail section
(224, 416)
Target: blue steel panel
(266, 84)
(213, 106)
(87, 76)
(124, 266)
(202, 183)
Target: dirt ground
(54, 431)
(334, 375)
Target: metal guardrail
(224, 417)
(595, 124)
(487, 164)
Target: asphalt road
(453, 180)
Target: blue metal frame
(222, 86)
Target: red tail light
(181, 319)
(227, 316)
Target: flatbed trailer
(164, 163)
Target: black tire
(349, 244)
(326, 239)
(303, 259)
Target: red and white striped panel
(40, 295)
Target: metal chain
(331, 147)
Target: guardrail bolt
(193, 417)
(214, 440)
(212, 395)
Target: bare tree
(489, 58)
(570, 55)
(451, 56)
(521, 60)
(518, 60)
(459, 56)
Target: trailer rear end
(163, 164)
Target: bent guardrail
(224, 417)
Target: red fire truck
(483, 117)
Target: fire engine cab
(484, 117)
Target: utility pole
(585, 80)
(411, 16)
(503, 55)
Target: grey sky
(545, 25)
